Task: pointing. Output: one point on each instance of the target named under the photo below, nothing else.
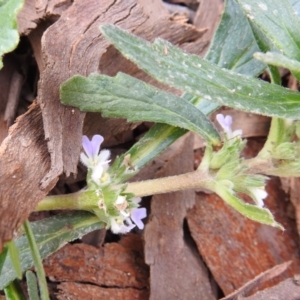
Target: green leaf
(279, 60)
(277, 20)
(50, 234)
(265, 44)
(9, 36)
(127, 97)
(14, 291)
(32, 286)
(15, 258)
(3, 255)
(255, 213)
(296, 6)
(233, 44)
(197, 76)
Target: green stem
(37, 261)
(88, 200)
(83, 200)
(192, 180)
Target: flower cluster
(128, 213)
(128, 218)
(253, 185)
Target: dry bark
(208, 16)
(111, 266)
(75, 291)
(24, 158)
(237, 249)
(5, 80)
(288, 289)
(177, 272)
(251, 286)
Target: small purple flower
(226, 122)
(93, 159)
(91, 149)
(137, 214)
(127, 219)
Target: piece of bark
(176, 272)
(292, 188)
(27, 17)
(189, 3)
(179, 10)
(16, 84)
(237, 249)
(24, 157)
(75, 291)
(289, 289)
(208, 16)
(113, 265)
(35, 11)
(252, 285)
(6, 73)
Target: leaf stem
(37, 261)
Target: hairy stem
(87, 200)
(196, 179)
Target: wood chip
(75, 291)
(176, 270)
(237, 249)
(113, 265)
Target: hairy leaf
(277, 20)
(198, 76)
(124, 96)
(253, 212)
(233, 44)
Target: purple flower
(226, 122)
(127, 220)
(137, 214)
(93, 159)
